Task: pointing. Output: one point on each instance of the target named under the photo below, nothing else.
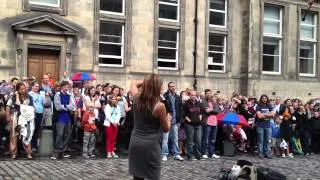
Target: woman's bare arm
(134, 86)
(161, 113)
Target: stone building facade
(246, 46)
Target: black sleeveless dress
(144, 148)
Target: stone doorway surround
(44, 31)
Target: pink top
(212, 119)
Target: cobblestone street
(99, 168)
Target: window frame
(224, 56)
(278, 37)
(169, 60)
(219, 11)
(46, 4)
(171, 4)
(112, 56)
(115, 13)
(314, 45)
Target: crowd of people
(102, 115)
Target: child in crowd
(89, 127)
(276, 136)
(286, 132)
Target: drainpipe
(195, 46)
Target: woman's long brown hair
(150, 93)
(22, 97)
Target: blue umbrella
(234, 119)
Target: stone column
(20, 65)
(254, 56)
(68, 62)
(290, 63)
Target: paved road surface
(100, 168)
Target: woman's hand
(139, 83)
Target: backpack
(269, 174)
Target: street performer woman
(149, 117)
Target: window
(218, 13)
(272, 40)
(169, 10)
(111, 44)
(112, 6)
(168, 49)
(217, 53)
(52, 3)
(271, 55)
(308, 39)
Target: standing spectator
(250, 131)
(278, 107)
(38, 102)
(184, 96)
(149, 116)
(276, 136)
(55, 90)
(89, 138)
(45, 86)
(122, 92)
(51, 80)
(64, 105)
(199, 96)
(111, 123)
(46, 90)
(286, 130)
(122, 103)
(315, 130)
(182, 131)
(77, 115)
(209, 126)
(65, 76)
(107, 89)
(128, 125)
(174, 107)
(264, 114)
(304, 128)
(92, 99)
(10, 89)
(193, 111)
(25, 81)
(3, 121)
(14, 105)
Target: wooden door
(41, 62)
